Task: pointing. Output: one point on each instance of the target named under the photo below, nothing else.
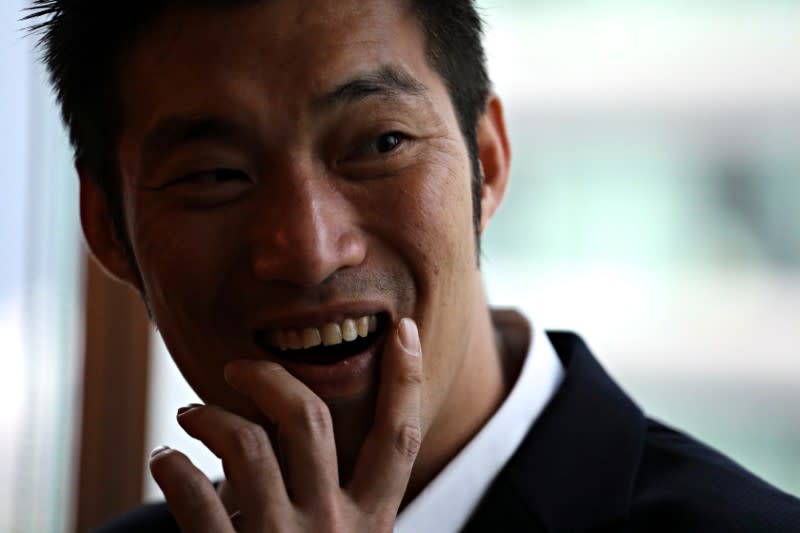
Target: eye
(209, 188)
(382, 144)
(213, 177)
(383, 149)
(388, 142)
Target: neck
(476, 393)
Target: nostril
(307, 246)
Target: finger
(189, 493)
(304, 425)
(248, 460)
(384, 466)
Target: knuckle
(333, 520)
(270, 369)
(411, 375)
(313, 417)
(265, 371)
(407, 439)
(191, 490)
(249, 442)
(188, 491)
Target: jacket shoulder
(684, 485)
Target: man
(297, 190)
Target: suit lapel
(575, 469)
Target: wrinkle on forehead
(323, 30)
(279, 68)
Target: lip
(345, 379)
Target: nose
(304, 231)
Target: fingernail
(409, 336)
(187, 408)
(159, 450)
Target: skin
(319, 218)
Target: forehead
(280, 53)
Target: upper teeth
(331, 333)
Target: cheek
(428, 221)
(441, 210)
(428, 217)
(186, 266)
(184, 260)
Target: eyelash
(227, 173)
(373, 147)
(399, 136)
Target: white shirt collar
(447, 502)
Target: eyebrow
(386, 81)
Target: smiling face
(289, 165)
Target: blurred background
(652, 209)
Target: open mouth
(327, 345)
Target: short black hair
(81, 42)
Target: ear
(494, 152)
(98, 229)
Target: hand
(268, 500)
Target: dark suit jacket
(593, 462)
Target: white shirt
(447, 502)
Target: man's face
(289, 165)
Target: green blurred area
(653, 198)
(669, 235)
